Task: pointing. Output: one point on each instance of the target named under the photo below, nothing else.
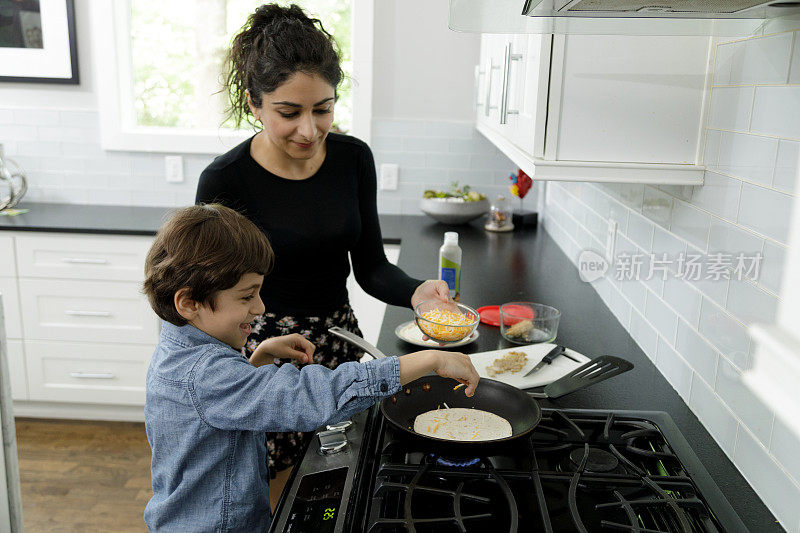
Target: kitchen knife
(547, 359)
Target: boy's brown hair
(207, 248)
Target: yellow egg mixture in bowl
(446, 322)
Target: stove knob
(343, 426)
(332, 441)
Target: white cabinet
(87, 373)
(81, 333)
(596, 108)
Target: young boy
(207, 406)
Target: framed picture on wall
(37, 41)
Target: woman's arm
(376, 275)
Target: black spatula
(596, 370)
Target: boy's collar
(188, 335)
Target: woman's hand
(432, 289)
(293, 346)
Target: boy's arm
(229, 393)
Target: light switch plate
(173, 165)
(388, 181)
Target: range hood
(700, 9)
(729, 18)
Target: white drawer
(93, 311)
(16, 370)
(7, 263)
(116, 257)
(87, 373)
(11, 310)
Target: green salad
(465, 193)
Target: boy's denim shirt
(206, 413)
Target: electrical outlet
(389, 173)
(174, 168)
(611, 240)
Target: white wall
(422, 69)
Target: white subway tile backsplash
(397, 128)
(715, 416)
(640, 231)
(426, 144)
(665, 242)
(715, 289)
(35, 117)
(644, 335)
(747, 156)
(727, 335)
(776, 111)
(764, 60)
(787, 165)
(700, 355)
(719, 194)
(620, 307)
(749, 303)
(631, 194)
(683, 298)
(690, 223)
(741, 400)
(657, 206)
(463, 130)
(13, 132)
(729, 239)
(769, 481)
(404, 159)
(771, 270)
(382, 143)
(80, 119)
(67, 133)
(784, 446)
(661, 316)
(730, 108)
(794, 74)
(711, 152)
(674, 369)
(723, 62)
(765, 211)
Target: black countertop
(529, 265)
(97, 219)
(497, 268)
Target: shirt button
(384, 386)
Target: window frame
(114, 78)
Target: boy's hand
(458, 366)
(293, 346)
(450, 365)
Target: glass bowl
(445, 322)
(528, 322)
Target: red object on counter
(490, 314)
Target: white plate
(410, 332)
(560, 366)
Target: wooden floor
(82, 475)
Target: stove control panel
(317, 502)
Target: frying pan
(431, 392)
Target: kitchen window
(160, 70)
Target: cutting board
(558, 368)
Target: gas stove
(578, 470)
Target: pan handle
(537, 394)
(354, 339)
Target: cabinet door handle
(72, 312)
(478, 73)
(84, 260)
(92, 375)
(488, 88)
(508, 58)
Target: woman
(312, 192)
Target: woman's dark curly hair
(274, 43)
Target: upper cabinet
(596, 108)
